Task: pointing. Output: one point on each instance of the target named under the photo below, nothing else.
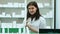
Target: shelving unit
(12, 14)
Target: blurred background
(57, 14)
(13, 12)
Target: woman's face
(32, 9)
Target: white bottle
(19, 4)
(16, 4)
(8, 15)
(23, 13)
(13, 14)
(0, 23)
(10, 4)
(46, 4)
(14, 24)
(40, 5)
(3, 13)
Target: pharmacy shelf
(13, 5)
(11, 25)
(11, 17)
(16, 5)
(48, 16)
(45, 5)
(18, 17)
(21, 17)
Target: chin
(32, 14)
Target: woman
(34, 19)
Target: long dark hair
(37, 14)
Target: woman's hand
(31, 27)
(27, 24)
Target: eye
(32, 8)
(28, 8)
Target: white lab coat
(40, 23)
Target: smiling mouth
(31, 11)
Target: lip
(31, 11)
